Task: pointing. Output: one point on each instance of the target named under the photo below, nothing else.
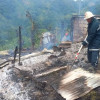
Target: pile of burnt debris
(39, 76)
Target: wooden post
(20, 44)
(15, 53)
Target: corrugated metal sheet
(77, 83)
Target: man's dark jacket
(93, 38)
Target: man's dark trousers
(93, 57)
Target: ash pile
(39, 77)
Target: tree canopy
(47, 15)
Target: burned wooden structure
(54, 80)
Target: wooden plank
(66, 42)
(4, 65)
(50, 71)
(4, 62)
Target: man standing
(93, 39)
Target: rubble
(39, 76)
(17, 84)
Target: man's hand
(84, 43)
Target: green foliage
(8, 44)
(46, 14)
(26, 42)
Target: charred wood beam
(50, 71)
(4, 65)
(4, 62)
(20, 45)
(15, 53)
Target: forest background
(47, 15)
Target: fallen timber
(50, 71)
(5, 63)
